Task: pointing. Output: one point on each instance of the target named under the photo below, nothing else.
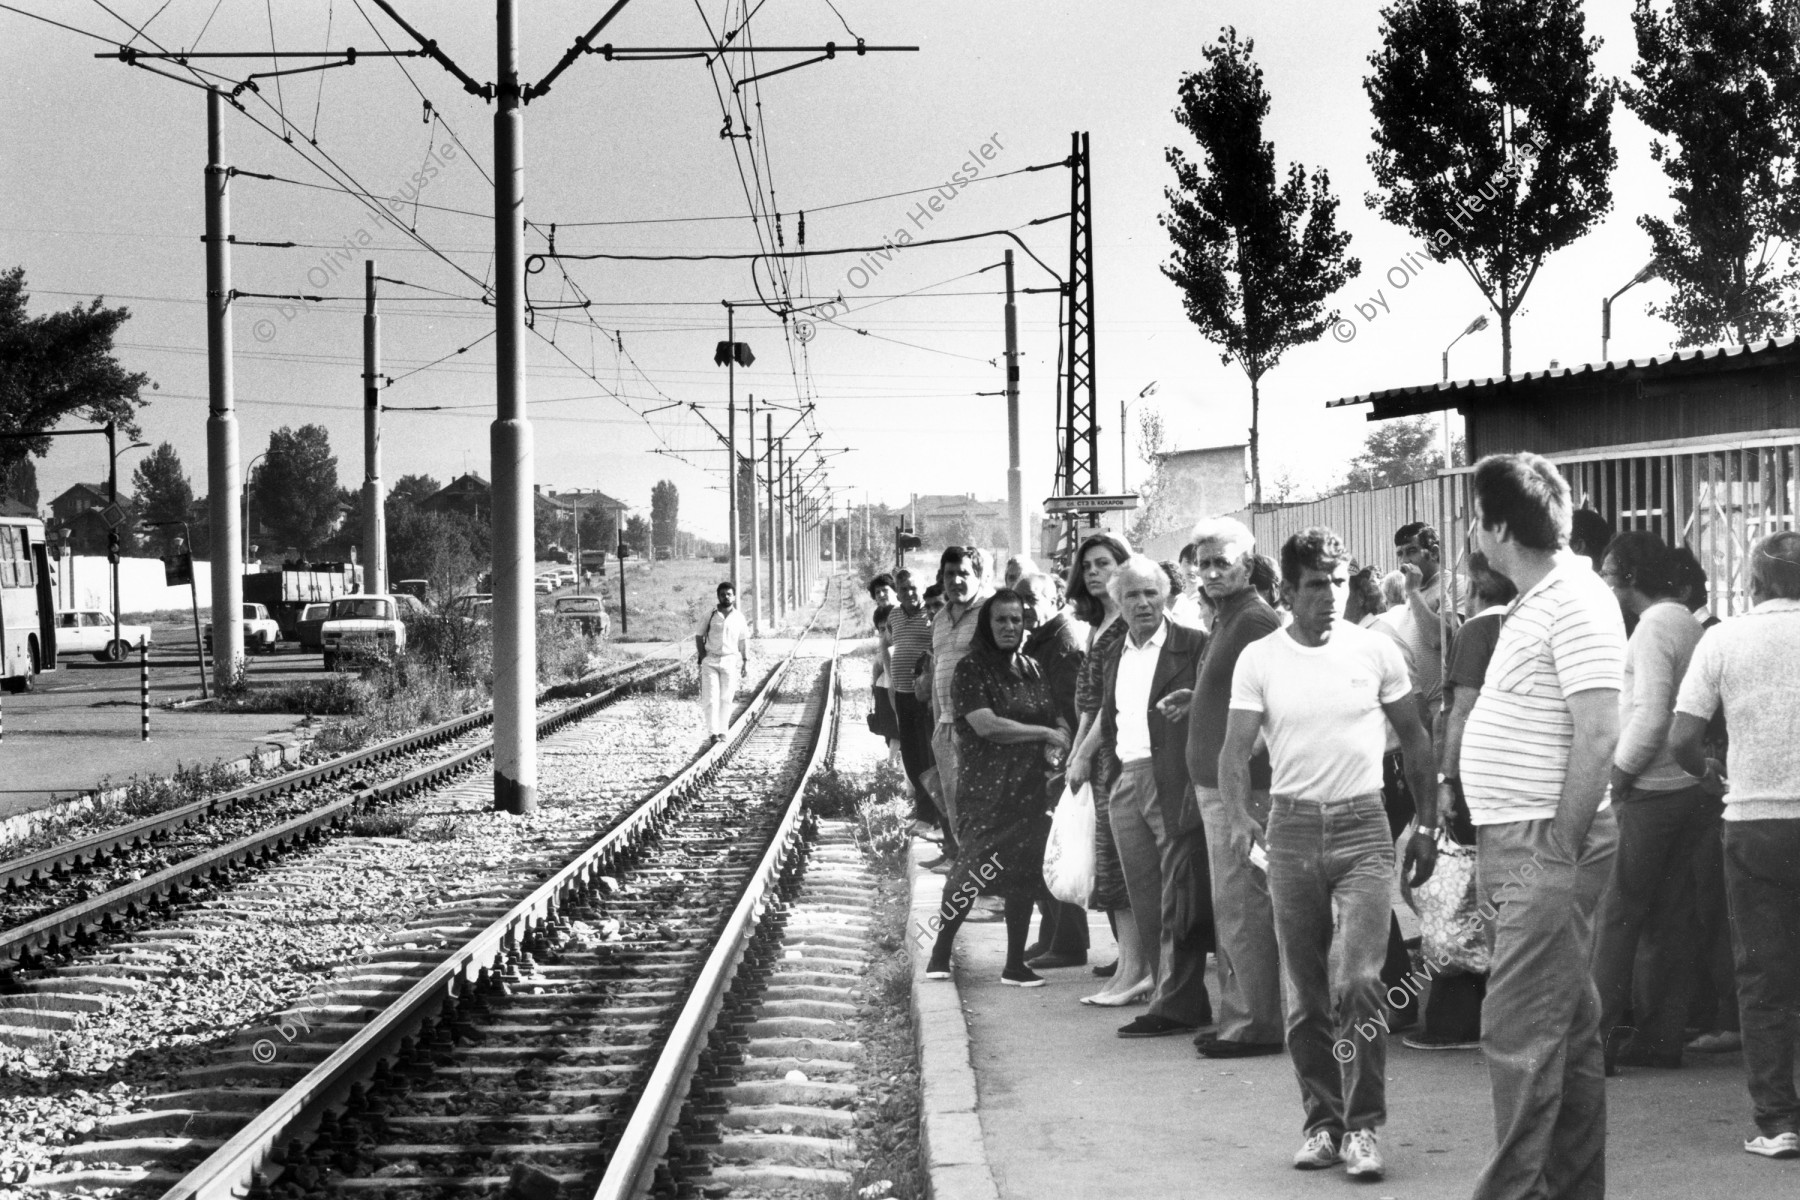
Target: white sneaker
(1782, 1145)
(1362, 1160)
(1318, 1152)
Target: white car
(260, 630)
(90, 631)
(362, 626)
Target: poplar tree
(1718, 83)
(1257, 253)
(1493, 137)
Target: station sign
(1099, 502)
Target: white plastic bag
(1069, 855)
(1452, 932)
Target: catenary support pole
(515, 628)
(112, 531)
(223, 489)
(144, 689)
(755, 605)
(731, 482)
(374, 522)
(1015, 479)
(774, 528)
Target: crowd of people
(1268, 739)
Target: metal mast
(1080, 424)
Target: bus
(27, 606)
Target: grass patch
(382, 823)
(887, 1118)
(879, 803)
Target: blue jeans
(1540, 1023)
(1762, 882)
(1321, 851)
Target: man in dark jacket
(1155, 819)
(1054, 642)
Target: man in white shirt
(1748, 664)
(722, 641)
(1537, 752)
(1324, 692)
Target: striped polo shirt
(908, 637)
(1563, 637)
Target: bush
(879, 801)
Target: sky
(100, 195)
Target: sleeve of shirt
(1247, 682)
(1587, 646)
(701, 629)
(1699, 696)
(1396, 679)
(969, 689)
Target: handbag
(882, 722)
(1069, 853)
(1452, 931)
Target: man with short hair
(1249, 963)
(1748, 665)
(1537, 752)
(962, 573)
(722, 643)
(1324, 692)
(905, 640)
(1054, 641)
(1017, 567)
(1154, 818)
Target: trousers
(718, 688)
(1762, 883)
(1244, 920)
(1165, 877)
(915, 750)
(949, 768)
(1540, 1023)
(1323, 853)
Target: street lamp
(1476, 326)
(112, 532)
(1647, 273)
(247, 470)
(1149, 390)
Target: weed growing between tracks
(878, 800)
(887, 1117)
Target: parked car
(90, 631)
(309, 630)
(362, 627)
(545, 586)
(476, 606)
(260, 630)
(587, 611)
(412, 587)
(411, 605)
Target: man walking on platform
(723, 644)
(1323, 691)
(1249, 964)
(1537, 752)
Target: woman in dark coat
(1010, 738)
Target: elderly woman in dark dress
(1098, 557)
(1010, 738)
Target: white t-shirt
(1750, 663)
(1321, 708)
(725, 635)
(1563, 637)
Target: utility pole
(1015, 479)
(774, 522)
(755, 531)
(1079, 468)
(515, 621)
(223, 491)
(374, 521)
(731, 484)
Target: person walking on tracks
(1324, 691)
(722, 642)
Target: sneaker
(1439, 1041)
(1781, 1145)
(1722, 1041)
(937, 968)
(1318, 1152)
(1024, 977)
(1362, 1160)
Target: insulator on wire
(803, 229)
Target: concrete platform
(1065, 1108)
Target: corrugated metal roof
(1431, 397)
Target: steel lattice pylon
(1078, 468)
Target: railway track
(56, 900)
(514, 1033)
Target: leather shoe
(1107, 971)
(1213, 1047)
(1036, 950)
(1150, 1025)
(1050, 962)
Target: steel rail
(47, 932)
(232, 1170)
(45, 863)
(631, 1169)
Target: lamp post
(1475, 326)
(1643, 276)
(112, 533)
(247, 470)
(1149, 390)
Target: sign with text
(1094, 503)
